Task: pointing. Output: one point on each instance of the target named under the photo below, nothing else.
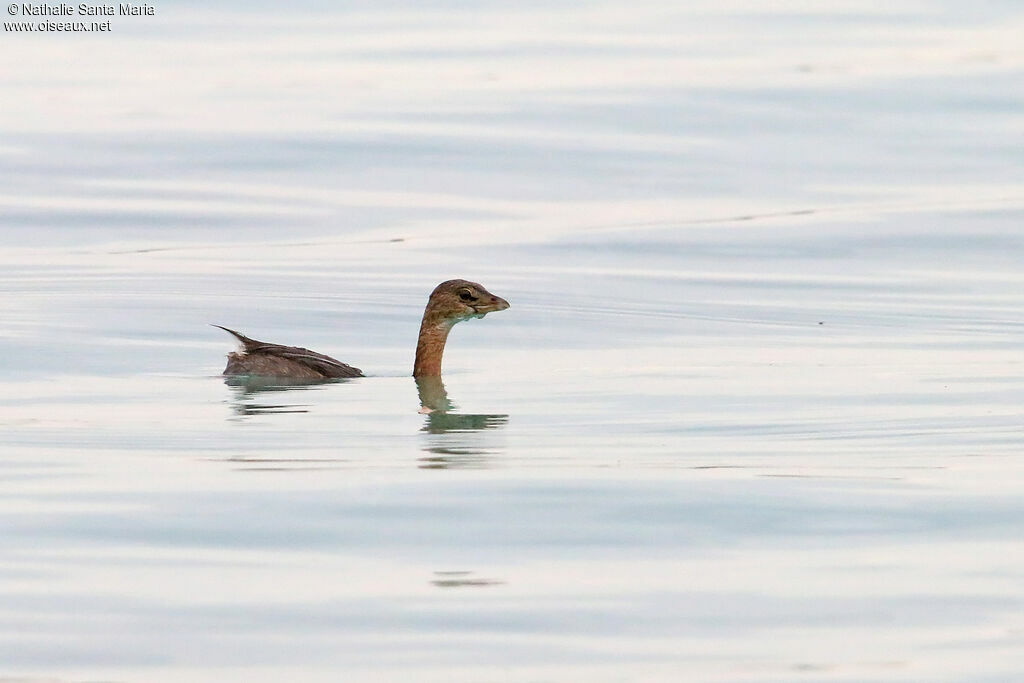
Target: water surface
(754, 415)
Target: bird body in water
(451, 302)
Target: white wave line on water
(847, 209)
(895, 319)
(401, 233)
(884, 207)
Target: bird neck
(430, 347)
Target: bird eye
(466, 295)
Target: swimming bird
(451, 302)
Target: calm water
(755, 413)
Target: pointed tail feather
(245, 341)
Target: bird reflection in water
(248, 390)
(454, 440)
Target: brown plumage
(451, 302)
(274, 360)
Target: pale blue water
(754, 414)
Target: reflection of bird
(437, 407)
(452, 441)
(451, 302)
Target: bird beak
(493, 303)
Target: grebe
(451, 302)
